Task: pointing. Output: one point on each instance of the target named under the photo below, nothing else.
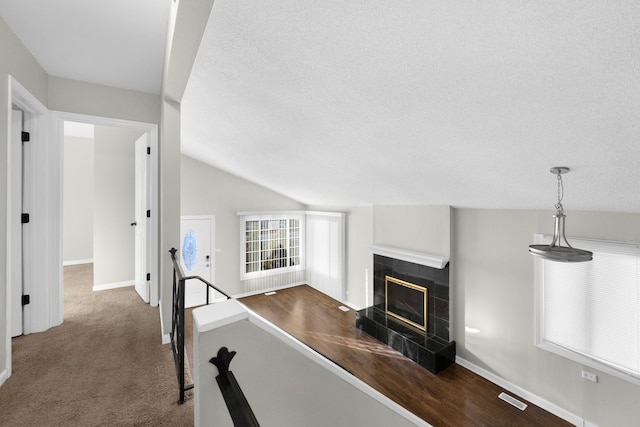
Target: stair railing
(177, 320)
(237, 404)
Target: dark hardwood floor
(454, 397)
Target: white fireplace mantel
(421, 258)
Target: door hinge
(148, 150)
(24, 218)
(26, 299)
(148, 213)
(25, 136)
(148, 277)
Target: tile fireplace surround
(431, 349)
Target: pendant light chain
(558, 205)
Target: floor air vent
(269, 293)
(513, 401)
(343, 308)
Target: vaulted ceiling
(117, 43)
(463, 103)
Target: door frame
(212, 243)
(42, 312)
(151, 130)
(46, 127)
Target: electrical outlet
(590, 376)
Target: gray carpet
(104, 366)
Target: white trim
(524, 394)
(4, 375)
(77, 262)
(212, 249)
(272, 215)
(352, 306)
(154, 206)
(325, 213)
(115, 285)
(166, 338)
(269, 213)
(421, 258)
(40, 315)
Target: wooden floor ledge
(454, 397)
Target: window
(590, 312)
(273, 244)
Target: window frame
(271, 216)
(539, 333)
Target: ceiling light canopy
(555, 251)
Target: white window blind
(590, 312)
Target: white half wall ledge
(430, 260)
(216, 315)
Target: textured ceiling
(463, 103)
(117, 43)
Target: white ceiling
(117, 43)
(464, 103)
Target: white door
(197, 257)
(16, 224)
(141, 223)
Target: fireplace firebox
(406, 301)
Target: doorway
(197, 257)
(44, 255)
(107, 203)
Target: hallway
(104, 366)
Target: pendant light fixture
(555, 251)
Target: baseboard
(78, 262)
(352, 306)
(166, 338)
(3, 376)
(519, 391)
(262, 291)
(116, 285)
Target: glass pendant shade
(555, 251)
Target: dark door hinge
(25, 136)
(26, 299)
(148, 213)
(148, 276)
(148, 150)
(25, 218)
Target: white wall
(78, 199)
(492, 280)
(187, 21)
(285, 383)
(16, 61)
(209, 191)
(413, 227)
(492, 291)
(114, 208)
(73, 96)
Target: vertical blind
(592, 309)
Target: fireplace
(410, 311)
(406, 301)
